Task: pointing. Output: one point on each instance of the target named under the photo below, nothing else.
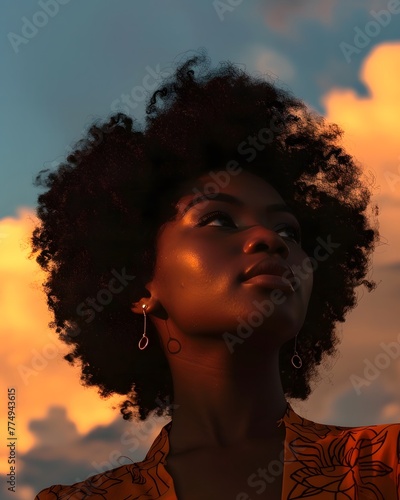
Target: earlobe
(145, 302)
(149, 298)
(152, 304)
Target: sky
(66, 64)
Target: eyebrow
(228, 198)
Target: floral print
(340, 463)
(321, 462)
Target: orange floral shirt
(320, 462)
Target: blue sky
(89, 53)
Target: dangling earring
(296, 360)
(173, 344)
(144, 340)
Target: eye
(219, 218)
(290, 232)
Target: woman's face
(206, 257)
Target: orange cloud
(31, 353)
(371, 133)
(371, 123)
(370, 127)
(284, 15)
(281, 15)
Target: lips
(270, 275)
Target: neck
(223, 399)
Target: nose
(261, 239)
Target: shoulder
(106, 485)
(312, 431)
(146, 479)
(353, 460)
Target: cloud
(367, 364)
(272, 62)
(65, 431)
(280, 15)
(32, 356)
(268, 61)
(284, 16)
(370, 127)
(371, 134)
(62, 455)
(55, 430)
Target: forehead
(249, 188)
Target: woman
(223, 243)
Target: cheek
(308, 288)
(182, 270)
(308, 272)
(304, 268)
(190, 258)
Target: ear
(149, 300)
(137, 307)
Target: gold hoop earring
(143, 342)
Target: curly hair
(104, 206)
